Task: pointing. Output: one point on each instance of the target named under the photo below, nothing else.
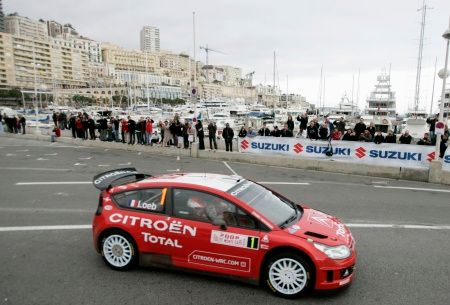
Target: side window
(151, 200)
(205, 207)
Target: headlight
(338, 252)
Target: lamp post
(443, 74)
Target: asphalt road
(402, 230)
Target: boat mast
(419, 59)
(432, 92)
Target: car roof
(215, 181)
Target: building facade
(24, 27)
(2, 18)
(149, 39)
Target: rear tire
(288, 275)
(119, 250)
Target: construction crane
(207, 50)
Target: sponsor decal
(234, 240)
(341, 230)
(218, 260)
(430, 156)
(293, 229)
(264, 247)
(241, 188)
(321, 218)
(270, 146)
(113, 174)
(163, 241)
(447, 159)
(298, 148)
(174, 226)
(244, 144)
(396, 155)
(360, 152)
(339, 151)
(108, 207)
(265, 239)
(143, 205)
(122, 187)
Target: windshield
(278, 210)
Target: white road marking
(412, 188)
(35, 169)
(173, 170)
(79, 164)
(106, 149)
(128, 163)
(53, 154)
(139, 153)
(24, 150)
(104, 165)
(397, 226)
(43, 210)
(42, 228)
(54, 183)
(41, 159)
(85, 158)
(229, 167)
(27, 155)
(283, 183)
(11, 155)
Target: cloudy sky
(344, 36)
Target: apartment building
(6, 61)
(120, 59)
(149, 39)
(24, 27)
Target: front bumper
(336, 273)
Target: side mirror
(220, 223)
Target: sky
(347, 38)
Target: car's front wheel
(118, 251)
(288, 275)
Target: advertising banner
(446, 160)
(386, 154)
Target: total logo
(244, 144)
(360, 152)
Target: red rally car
(220, 224)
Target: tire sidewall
(134, 255)
(300, 260)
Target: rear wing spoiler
(105, 180)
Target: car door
(226, 239)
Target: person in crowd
(251, 133)
(366, 136)
(185, 132)
(149, 130)
(405, 138)
(340, 124)
(72, 126)
(55, 118)
(85, 126)
(276, 132)
(432, 121)
(172, 129)
(378, 138)
(372, 129)
(286, 132)
(131, 131)
(212, 130)
(390, 137)
(62, 121)
(303, 119)
(79, 127)
(360, 127)
(323, 131)
(264, 131)
(1, 123)
(15, 124)
(200, 135)
(426, 140)
(228, 135)
(290, 123)
(348, 135)
(178, 132)
(336, 134)
(166, 133)
(242, 132)
(155, 138)
(140, 125)
(22, 122)
(124, 129)
(444, 145)
(91, 127)
(312, 131)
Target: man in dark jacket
(200, 135)
(228, 135)
(212, 129)
(405, 138)
(303, 119)
(312, 131)
(276, 132)
(91, 127)
(378, 139)
(264, 131)
(131, 130)
(286, 132)
(360, 127)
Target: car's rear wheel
(118, 250)
(288, 275)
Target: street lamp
(443, 74)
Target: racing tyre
(119, 250)
(288, 275)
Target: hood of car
(321, 228)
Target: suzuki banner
(446, 160)
(361, 152)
